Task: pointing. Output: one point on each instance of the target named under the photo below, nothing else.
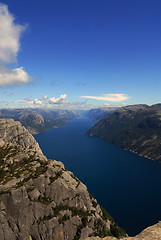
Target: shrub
(64, 218)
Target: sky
(79, 54)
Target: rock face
(15, 134)
(39, 198)
(136, 128)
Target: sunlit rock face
(39, 198)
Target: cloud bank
(46, 102)
(109, 97)
(10, 33)
(54, 100)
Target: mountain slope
(136, 128)
(39, 198)
(96, 114)
(38, 120)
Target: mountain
(38, 120)
(96, 114)
(39, 198)
(136, 128)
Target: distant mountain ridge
(38, 120)
(136, 128)
(96, 114)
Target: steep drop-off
(136, 128)
(39, 198)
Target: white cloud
(9, 35)
(37, 102)
(109, 97)
(54, 100)
(26, 100)
(43, 98)
(45, 102)
(15, 76)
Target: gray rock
(39, 198)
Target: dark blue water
(126, 185)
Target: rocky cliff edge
(39, 198)
(150, 233)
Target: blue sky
(79, 54)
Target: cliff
(39, 198)
(136, 128)
(150, 233)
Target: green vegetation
(80, 227)
(2, 174)
(45, 218)
(75, 178)
(100, 229)
(136, 128)
(94, 203)
(64, 218)
(8, 151)
(116, 231)
(78, 233)
(30, 189)
(21, 183)
(40, 170)
(44, 199)
(75, 211)
(106, 215)
(57, 175)
(77, 194)
(91, 196)
(5, 191)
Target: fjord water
(126, 185)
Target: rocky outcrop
(15, 134)
(136, 128)
(150, 233)
(39, 198)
